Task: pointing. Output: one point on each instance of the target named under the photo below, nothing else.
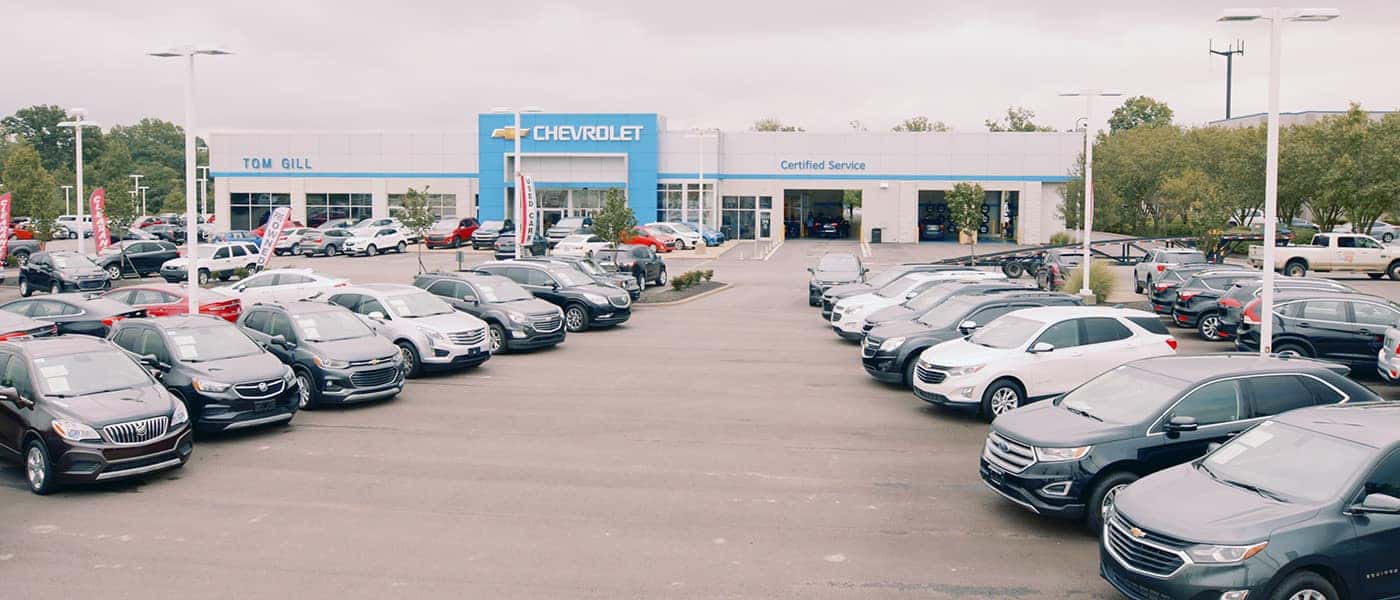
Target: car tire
(1299, 584)
(909, 370)
(1393, 271)
(38, 468)
(576, 318)
(498, 339)
(1388, 237)
(400, 248)
(72, 236)
(1295, 268)
(332, 250)
(24, 289)
(1013, 270)
(1292, 350)
(202, 276)
(371, 250)
(308, 395)
(1106, 490)
(1137, 286)
(296, 249)
(662, 278)
(412, 366)
(1000, 397)
(22, 258)
(1208, 326)
(54, 288)
(114, 271)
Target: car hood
(836, 274)
(533, 306)
(860, 300)
(361, 348)
(1215, 512)
(115, 407)
(484, 233)
(447, 323)
(359, 239)
(895, 329)
(847, 290)
(240, 369)
(1048, 426)
(960, 352)
(888, 314)
(610, 292)
(82, 272)
(179, 263)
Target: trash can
(876, 234)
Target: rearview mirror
(1181, 424)
(1379, 503)
(968, 326)
(1042, 347)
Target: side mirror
(1042, 347)
(811, 270)
(278, 340)
(12, 395)
(470, 300)
(1378, 503)
(376, 315)
(968, 326)
(149, 360)
(1181, 424)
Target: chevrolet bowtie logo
(509, 134)
(1137, 533)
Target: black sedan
(74, 313)
(596, 272)
(170, 233)
(139, 258)
(1162, 292)
(518, 320)
(58, 272)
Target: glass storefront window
(326, 207)
(443, 206)
(251, 210)
(683, 202)
(740, 214)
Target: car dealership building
(750, 185)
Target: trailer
(1123, 251)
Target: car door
(149, 257)
(1325, 323)
(1217, 408)
(1344, 255)
(455, 293)
(152, 344)
(1378, 535)
(1368, 255)
(279, 324)
(12, 421)
(542, 285)
(1370, 320)
(258, 288)
(39, 272)
(221, 260)
(1057, 371)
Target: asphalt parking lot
(727, 447)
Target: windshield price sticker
(59, 385)
(54, 371)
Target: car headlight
(180, 415)
(516, 318)
(1061, 454)
(331, 363)
(1211, 554)
(891, 344)
(965, 370)
(212, 387)
(74, 431)
(433, 336)
(595, 298)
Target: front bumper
(608, 317)
(1025, 488)
(883, 367)
(533, 340)
(1192, 582)
(952, 391)
(173, 275)
(228, 413)
(83, 463)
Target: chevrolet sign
(586, 133)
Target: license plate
(473, 351)
(262, 405)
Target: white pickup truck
(1334, 252)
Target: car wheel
(1292, 350)
(400, 248)
(1001, 397)
(202, 276)
(1013, 270)
(114, 271)
(575, 318)
(55, 288)
(296, 249)
(411, 366)
(24, 288)
(662, 278)
(1296, 268)
(909, 370)
(1393, 271)
(22, 258)
(1103, 496)
(332, 250)
(371, 250)
(1388, 237)
(642, 280)
(72, 236)
(307, 394)
(1305, 585)
(498, 338)
(1209, 327)
(38, 470)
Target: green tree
(965, 211)
(1018, 118)
(112, 171)
(921, 124)
(35, 193)
(616, 218)
(851, 200)
(1140, 111)
(1194, 194)
(417, 217)
(774, 124)
(38, 126)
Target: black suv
(518, 320)
(1198, 301)
(886, 277)
(1071, 457)
(65, 425)
(833, 269)
(137, 257)
(585, 303)
(58, 272)
(225, 380)
(596, 272)
(335, 357)
(1162, 291)
(1243, 292)
(930, 298)
(1345, 327)
(641, 261)
(484, 238)
(1056, 267)
(1304, 506)
(891, 351)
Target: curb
(723, 286)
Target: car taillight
(1251, 313)
(1230, 303)
(1185, 296)
(110, 321)
(1161, 268)
(4, 337)
(1171, 343)
(1162, 287)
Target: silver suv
(430, 333)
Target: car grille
(467, 338)
(1008, 454)
(835, 317)
(373, 361)
(869, 348)
(930, 374)
(374, 377)
(866, 326)
(1141, 551)
(92, 284)
(136, 432)
(620, 301)
(260, 389)
(547, 323)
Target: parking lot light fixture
(67, 189)
(515, 129)
(700, 133)
(1088, 213)
(1276, 16)
(78, 122)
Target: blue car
(712, 237)
(239, 235)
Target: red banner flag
(100, 238)
(4, 226)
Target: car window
(17, 376)
(1367, 313)
(151, 343)
(1346, 242)
(1098, 330)
(1276, 394)
(1151, 324)
(1212, 403)
(1323, 393)
(259, 281)
(990, 313)
(292, 278)
(1366, 243)
(279, 324)
(447, 288)
(370, 305)
(128, 338)
(147, 298)
(349, 301)
(257, 321)
(538, 277)
(221, 252)
(1384, 479)
(1324, 310)
(122, 296)
(49, 308)
(239, 251)
(1064, 334)
(23, 307)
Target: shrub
(11, 261)
(1100, 281)
(708, 274)
(241, 273)
(1061, 238)
(689, 278)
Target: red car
(165, 299)
(21, 232)
(642, 238)
(447, 234)
(288, 225)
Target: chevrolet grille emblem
(375, 361)
(1137, 533)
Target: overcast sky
(419, 64)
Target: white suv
(1160, 260)
(848, 315)
(429, 332)
(689, 238)
(580, 244)
(283, 285)
(1036, 353)
(71, 227)
(377, 241)
(215, 260)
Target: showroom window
(251, 210)
(443, 206)
(681, 202)
(328, 207)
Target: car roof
(1325, 294)
(1060, 313)
(185, 321)
(387, 289)
(302, 307)
(60, 345)
(1179, 250)
(1375, 424)
(1196, 367)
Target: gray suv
(429, 333)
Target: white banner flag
(275, 224)
(526, 218)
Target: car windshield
(898, 288)
(835, 262)
(417, 305)
(447, 225)
(683, 227)
(72, 261)
(330, 325)
(590, 267)
(1010, 331)
(363, 223)
(950, 313)
(71, 375)
(884, 278)
(570, 277)
(931, 297)
(1288, 462)
(489, 225)
(1186, 258)
(199, 344)
(502, 291)
(1125, 394)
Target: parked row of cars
(1211, 476)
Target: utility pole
(1229, 53)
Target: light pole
(1276, 16)
(191, 233)
(517, 135)
(78, 122)
(203, 207)
(143, 189)
(700, 133)
(1089, 127)
(66, 190)
(136, 189)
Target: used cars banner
(275, 224)
(4, 226)
(100, 238)
(526, 185)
